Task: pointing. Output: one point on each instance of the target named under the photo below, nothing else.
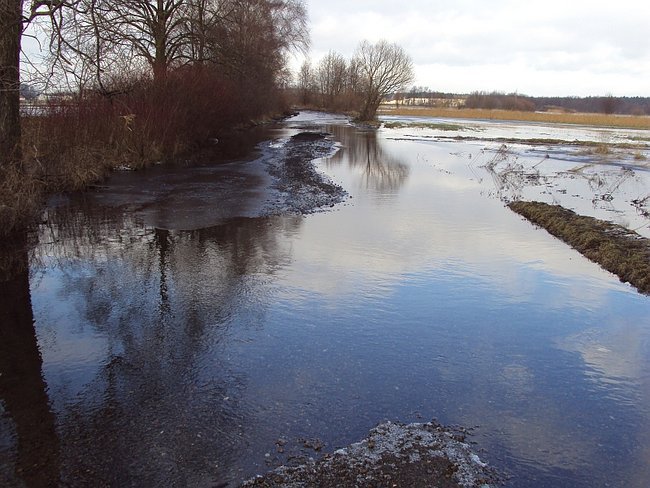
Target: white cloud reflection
(438, 221)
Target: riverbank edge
(23, 194)
(299, 188)
(615, 248)
(392, 454)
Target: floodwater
(182, 338)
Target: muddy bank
(393, 454)
(298, 187)
(617, 249)
(277, 177)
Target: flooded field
(190, 329)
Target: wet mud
(393, 454)
(298, 187)
(272, 180)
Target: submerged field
(597, 120)
(191, 329)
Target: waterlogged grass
(21, 196)
(597, 120)
(425, 125)
(613, 149)
(617, 249)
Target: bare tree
(252, 36)
(353, 85)
(151, 30)
(201, 17)
(609, 103)
(99, 41)
(246, 38)
(249, 44)
(331, 78)
(306, 82)
(384, 68)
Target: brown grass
(597, 120)
(73, 143)
(617, 249)
(602, 149)
(20, 198)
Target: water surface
(188, 341)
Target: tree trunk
(10, 33)
(369, 111)
(159, 32)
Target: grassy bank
(597, 120)
(615, 248)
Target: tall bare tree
(255, 34)
(306, 82)
(201, 16)
(151, 30)
(244, 37)
(383, 68)
(250, 42)
(332, 71)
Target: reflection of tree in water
(23, 392)
(165, 408)
(362, 150)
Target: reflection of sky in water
(420, 297)
(493, 129)
(602, 185)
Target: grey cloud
(587, 38)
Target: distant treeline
(607, 104)
(514, 101)
(502, 101)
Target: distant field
(600, 120)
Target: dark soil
(393, 455)
(617, 249)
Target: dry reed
(598, 120)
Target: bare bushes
(75, 141)
(72, 142)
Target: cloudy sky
(568, 47)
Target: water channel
(172, 333)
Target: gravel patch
(298, 187)
(392, 455)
